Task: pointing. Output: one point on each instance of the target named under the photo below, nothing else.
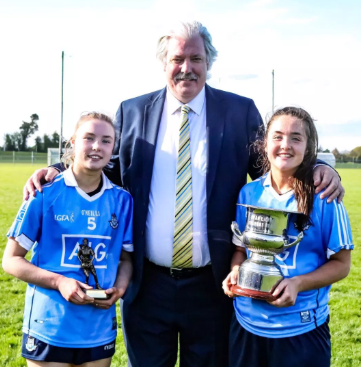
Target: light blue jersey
(54, 223)
(329, 234)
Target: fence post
(13, 156)
(32, 157)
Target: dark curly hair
(302, 181)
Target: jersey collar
(267, 184)
(70, 180)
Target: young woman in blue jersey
(62, 325)
(293, 329)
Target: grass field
(345, 300)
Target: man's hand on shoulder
(37, 179)
(326, 177)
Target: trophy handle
(296, 241)
(236, 231)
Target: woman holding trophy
(289, 327)
(80, 231)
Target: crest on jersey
(21, 214)
(305, 316)
(30, 344)
(114, 222)
(305, 226)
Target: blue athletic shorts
(36, 350)
(311, 349)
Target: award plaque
(265, 236)
(86, 257)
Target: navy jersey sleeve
(26, 228)
(336, 229)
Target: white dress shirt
(160, 219)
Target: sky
(314, 48)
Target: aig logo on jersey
(71, 245)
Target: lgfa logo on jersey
(64, 218)
(114, 222)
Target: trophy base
(250, 293)
(97, 293)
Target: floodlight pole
(62, 98)
(273, 91)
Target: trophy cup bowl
(265, 236)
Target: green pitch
(345, 302)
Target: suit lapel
(152, 116)
(215, 126)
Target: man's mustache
(185, 76)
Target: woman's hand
(288, 290)
(72, 291)
(239, 256)
(124, 274)
(115, 294)
(335, 269)
(230, 280)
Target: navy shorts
(36, 350)
(311, 349)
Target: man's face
(186, 67)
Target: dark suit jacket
(232, 124)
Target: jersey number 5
(91, 223)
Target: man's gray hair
(187, 30)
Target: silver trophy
(265, 236)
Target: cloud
(113, 57)
(346, 129)
(295, 20)
(241, 76)
(303, 81)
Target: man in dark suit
(167, 303)
(163, 304)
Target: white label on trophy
(259, 223)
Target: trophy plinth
(265, 236)
(97, 293)
(236, 289)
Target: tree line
(353, 156)
(18, 141)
